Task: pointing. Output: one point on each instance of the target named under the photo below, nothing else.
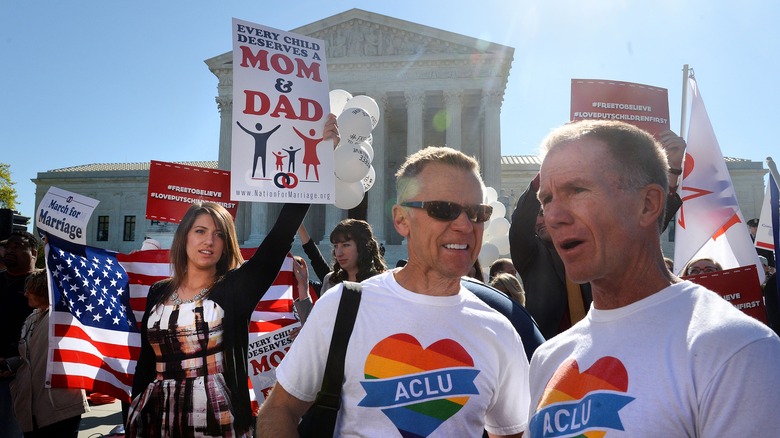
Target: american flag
(94, 338)
(100, 356)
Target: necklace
(178, 301)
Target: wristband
(674, 171)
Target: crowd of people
(585, 329)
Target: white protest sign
(280, 105)
(65, 214)
(266, 351)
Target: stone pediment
(360, 34)
(359, 37)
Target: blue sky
(102, 82)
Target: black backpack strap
(330, 393)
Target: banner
(280, 105)
(269, 332)
(65, 214)
(738, 286)
(174, 187)
(710, 223)
(640, 105)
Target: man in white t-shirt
(426, 357)
(655, 355)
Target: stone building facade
(433, 87)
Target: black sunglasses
(449, 211)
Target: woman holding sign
(191, 376)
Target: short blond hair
(638, 159)
(510, 285)
(405, 177)
(37, 283)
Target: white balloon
(348, 194)
(354, 125)
(499, 210)
(368, 104)
(370, 149)
(502, 243)
(486, 236)
(338, 99)
(368, 181)
(498, 227)
(351, 163)
(490, 192)
(369, 140)
(488, 254)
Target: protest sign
(273, 320)
(65, 214)
(280, 105)
(266, 351)
(174, 187)
(640, 105)
(739, 286)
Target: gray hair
(639, 159)
(405, 178)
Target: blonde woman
(510, 285)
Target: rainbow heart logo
(584, 403)
(418, 388)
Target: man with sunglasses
(655, 355)
(426, 357)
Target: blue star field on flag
(90, 284)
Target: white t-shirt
(682, 362)
(424, 365)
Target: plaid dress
(191, 375)
(189, 397)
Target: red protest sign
(174, 187)
(739, 286)
(640, 105)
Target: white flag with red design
(709, 223)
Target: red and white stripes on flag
(91, 352)
(93, 339)
(709, 223)
(144, 268)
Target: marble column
(377, 195)
(258, 221)
(333, 215)
(453, 103)
(415, 102)
(491, 149)
(225, 106)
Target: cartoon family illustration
(310, 158)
